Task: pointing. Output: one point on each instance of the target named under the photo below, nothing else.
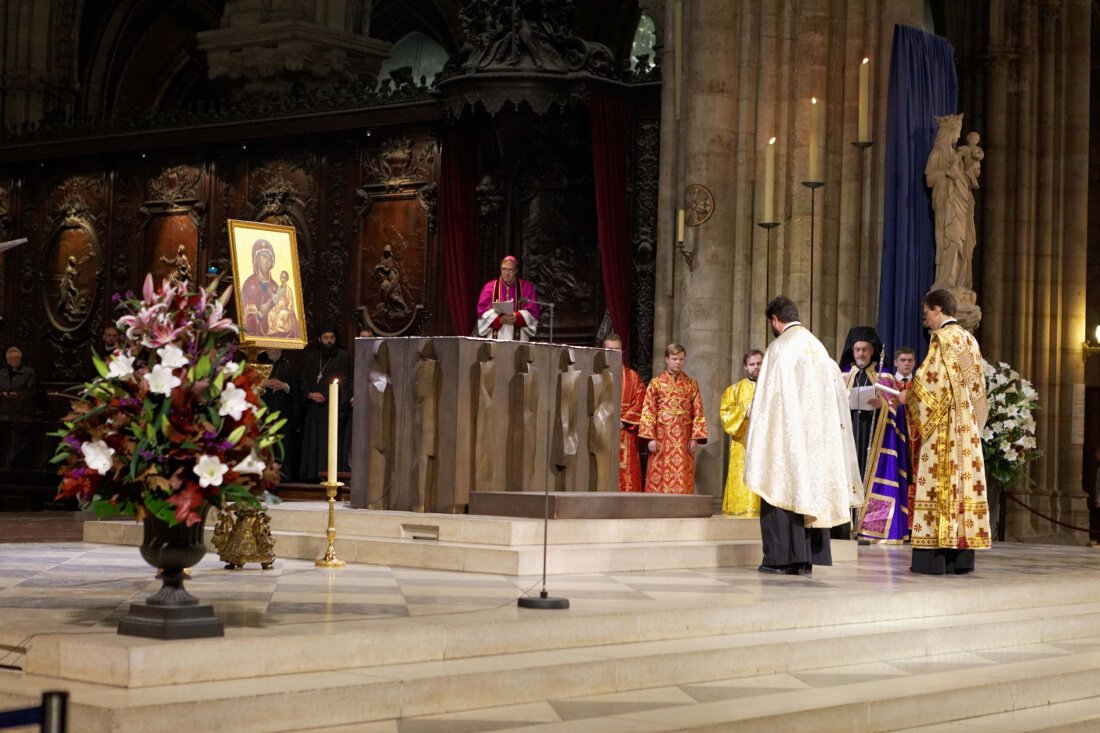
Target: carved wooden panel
(72, 259)
(396, 206)
(172, 218)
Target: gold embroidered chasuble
(947, 411)
(673, 416)
(737, 500)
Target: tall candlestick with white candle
(680, 225)
(333, 436)
(864, 135)
(815, 142)
(769, 181)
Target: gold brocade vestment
(673, 416)
(947, 411)
(737, 500)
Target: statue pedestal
(969, 314)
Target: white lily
(97, 456)
(161, 380)
(121, 366)
(251, 464)
(210, 470)
(172, 356)
(233, 402)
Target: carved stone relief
(603, 426)
(570, 394)
(426, 384)
(485, 437)
(380, 429)
(522, 418)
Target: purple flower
(72, 442)
(80, 472)
(147, 454)
(116, 298)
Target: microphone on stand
(541, 304)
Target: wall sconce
(1088, 348)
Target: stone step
(502, 545)
(1020, 696)
(482, 675)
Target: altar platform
(859, 646)
(502, 545)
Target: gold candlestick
(330, 560)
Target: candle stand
(330, 560)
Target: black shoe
(805, 569)
(778, 570)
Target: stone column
(703, 283)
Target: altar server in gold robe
(800, 458)
(673, 423)
(633, 398)
(947, 411)
(738, 501)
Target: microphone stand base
(543, 602)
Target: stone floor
(49, 585)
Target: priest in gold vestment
(673, 423)
(737, 500)
(800, 458)
(633, 398)
(947, 411)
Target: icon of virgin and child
(268, 305)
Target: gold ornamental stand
(330, 560)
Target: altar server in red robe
(673, 423)
(633, 398)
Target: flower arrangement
(1008, 439)
(172, 422)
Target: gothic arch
(140, 54)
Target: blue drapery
(922, 85)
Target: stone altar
(438, 418)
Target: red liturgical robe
(630, 467)
(673, 416)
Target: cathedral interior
(411, 144)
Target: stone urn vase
(172, 612)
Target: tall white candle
(864, 135)
(680, 225)
(815, 142)
(333, 409)
(769, 181)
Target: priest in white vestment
(800, 458)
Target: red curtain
(458, 226)
(610, 123)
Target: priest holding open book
(507, 309)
